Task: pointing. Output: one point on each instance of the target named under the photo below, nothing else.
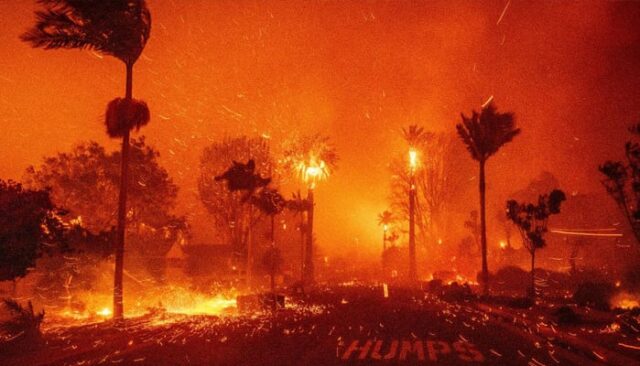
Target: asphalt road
(341, 326)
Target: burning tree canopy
(89, 171)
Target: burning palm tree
(416, 137)
(118, 28)
(484, 134)
(312, 159)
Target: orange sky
(354, 70)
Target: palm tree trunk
(413, 274)
(302, 243)
(483, 231)
(118, 306)
(273, 269)
(384, 241)
(308, 265)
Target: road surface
(339, 326)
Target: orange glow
(413, 160)
(104, 312)
(625, 300)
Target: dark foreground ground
(338, 326)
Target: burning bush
(594, 294)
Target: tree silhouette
(270, 202)
(244, 178)
(622, 181)
(118, 28)
(85, 182)
(484, 134)
(30, 226)
(531, 220)
(232, 217)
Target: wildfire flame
(313, 171)
(171, 300)
(626, 301)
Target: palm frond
(486, 132)
(416, 136)
(13, 306)
(386, 217)
(118, 28)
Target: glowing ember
(213, 306)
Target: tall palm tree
(484, 134)
(312, 158)
(416, 136)
(118, 28)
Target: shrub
(512, 278)
(566, 315)
(24, 323)
(594, 294)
